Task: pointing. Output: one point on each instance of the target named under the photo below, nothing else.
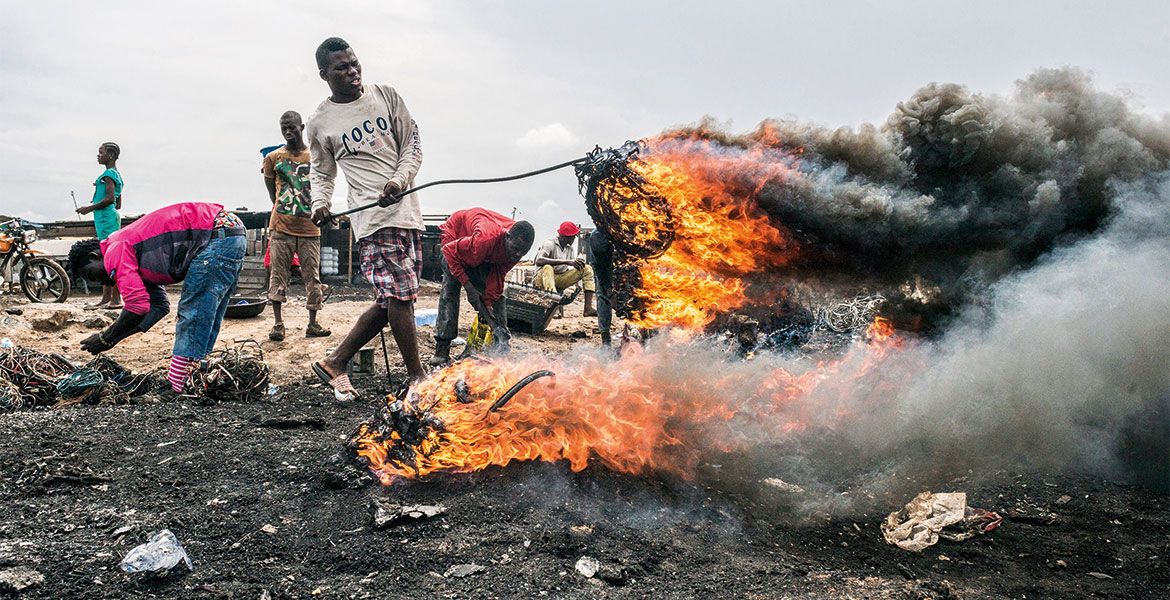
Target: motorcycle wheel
(43, 280)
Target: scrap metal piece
(386, 513)
(463, 392)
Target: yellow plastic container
(480, 336)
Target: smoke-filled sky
(192, 92)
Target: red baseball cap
(568, 228)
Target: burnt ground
(80, 487)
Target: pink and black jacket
(154, 251)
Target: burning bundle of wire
(956, 189)
(411, 427)
(684, 228)
(230, 375)
(622, 202)
(646, 412)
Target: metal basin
(245, 308)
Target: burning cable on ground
(652, 410)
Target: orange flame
(659, 410)
(720, 234)
(642, 413)
(882, 336)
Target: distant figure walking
(107, 201)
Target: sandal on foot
(277, 333)
(316, 330)
(342, 388)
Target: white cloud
(549, 207)
(553, 136)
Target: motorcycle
(41, 278)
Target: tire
(43, 280)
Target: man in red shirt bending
(479, 248)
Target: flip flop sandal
(343, 390)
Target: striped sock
(180, 369)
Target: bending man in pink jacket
(198, 243)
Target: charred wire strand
(515, 389)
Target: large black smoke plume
(956, 187)
(1053, 204)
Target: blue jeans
(207, 290)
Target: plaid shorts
(392, 262)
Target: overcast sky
(192, 91)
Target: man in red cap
(479, 248)
(559, 267)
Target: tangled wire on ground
(848, 315)
(126, 380)
(29, 379)
(230, 375)
(620, 201)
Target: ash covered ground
(266, 506)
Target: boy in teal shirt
(107, 199)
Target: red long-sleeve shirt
(474, 237)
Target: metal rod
(385, 354)
(349, 260)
